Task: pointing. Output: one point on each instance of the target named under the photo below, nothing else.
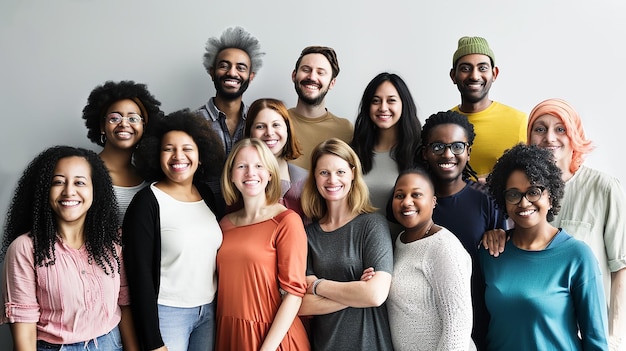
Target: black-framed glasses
(116, 118)
(533, 194)
(457, 147)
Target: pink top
(71, 301)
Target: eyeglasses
(457, 147)
(116, 118)
(533, 194)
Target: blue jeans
(111, 341)
(188, 329)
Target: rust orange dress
(254, 262)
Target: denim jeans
(111, 341)
(188, 329)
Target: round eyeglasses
(457, 147)
(116, 118)
(514, 196)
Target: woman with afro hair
(64, 283)
(171, 235)
(592, 207)
(116, 116)
(544, 292)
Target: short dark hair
(210, 148)
(414, 170)
(539, 166)
(30, 210)
(450, 117)
(329, 53)
(103, 96)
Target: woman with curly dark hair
(546, 287)
(172, 235)
(116, 116)
(64, 283)
(386, 136)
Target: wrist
(314, 286)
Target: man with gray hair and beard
(314, 75)
(232, 61)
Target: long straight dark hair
(408, 126)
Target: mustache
(232, 78)
(309, 82)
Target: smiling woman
(116, 116)
(262, 260)
(527, 183)
(61, 244)
(172, 235)
(269, 121)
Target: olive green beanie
(473, 45)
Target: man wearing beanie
(498, 127)
(314, 75)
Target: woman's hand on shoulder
(494, 241)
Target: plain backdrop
(54, 52)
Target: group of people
(231, 227)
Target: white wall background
(53, 52)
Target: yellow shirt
(497, 129)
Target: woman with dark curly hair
(546, 287)
(172, 235)
(116, 116)
(386, 136)
(64, 283)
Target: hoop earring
(103, 138)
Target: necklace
(427, 232)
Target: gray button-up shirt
(217, 120)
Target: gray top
(342, 255)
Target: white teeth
(123, 135)
(271, 142)
(179, 165)
(231, 82)
(526, 213)
(69, 203)
(251, 182)
(335, 188)
(312, 87)
(409, 213)
(446, 165)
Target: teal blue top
(538, 299)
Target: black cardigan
(141, 237)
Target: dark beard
(226, 95)
(310, 101)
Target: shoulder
(145, 194)
(596, 178)
(447, 243)
(287, 216)
(297, 173)
(23, 243)
(340, 120)
(373, 218)
(511, 111)
(294, 115)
